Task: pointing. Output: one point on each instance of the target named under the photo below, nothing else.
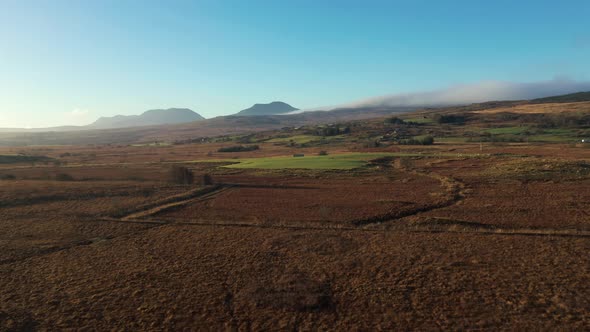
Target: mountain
(276, 107)
(147, 118)
(237, 124)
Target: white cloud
(474, 93)
(78, 112)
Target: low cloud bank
(472, 93)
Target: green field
(152, 144)
(299, 139)
(507, 130)
(420, 120)
(452, 139)
(557, 135)
(338, 161)
(15, 159)
(302, 139)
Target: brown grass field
(453, 236)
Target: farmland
(353, 231)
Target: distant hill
(222, 125)
(569, 98)
(181, 124)
(276, 107)
(148, 118)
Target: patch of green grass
(299, 139)
(342, 161)
(551, 138)
(420, 120)
(507, 130)
(152, 144)
(15, 159)
(309, 162)
(559, 131)
(302, 139)
(450, 139)
(557, 135)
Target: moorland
(465, 217)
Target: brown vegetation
(453, 236)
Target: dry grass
(479, 247)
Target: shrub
(323, 153)
(239, 148)
(207, 180)
(394, 120)
(372, 144)
(406, 163)
(7, 177)
(420, 140)
(450, 118)
(16, 159)
(64, 177)
(181, 175)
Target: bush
(450, 118)
(323, 153)
(372, 144)
(239, 148)
(7, 177)
(207, 180)
(64, 177)
(420, 140)
(498, 139)
(181, 175)
(395, 120)
(330, 130)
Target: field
(458, 235)
(338, 161)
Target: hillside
(149, 118)
(223, 125)
(276, 107)
(569, 98)
(123, 132)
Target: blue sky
(68, 62)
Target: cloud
(475, 93)
(78, 112)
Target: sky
(70, 62)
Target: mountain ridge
(272, 108)
(153, 117)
